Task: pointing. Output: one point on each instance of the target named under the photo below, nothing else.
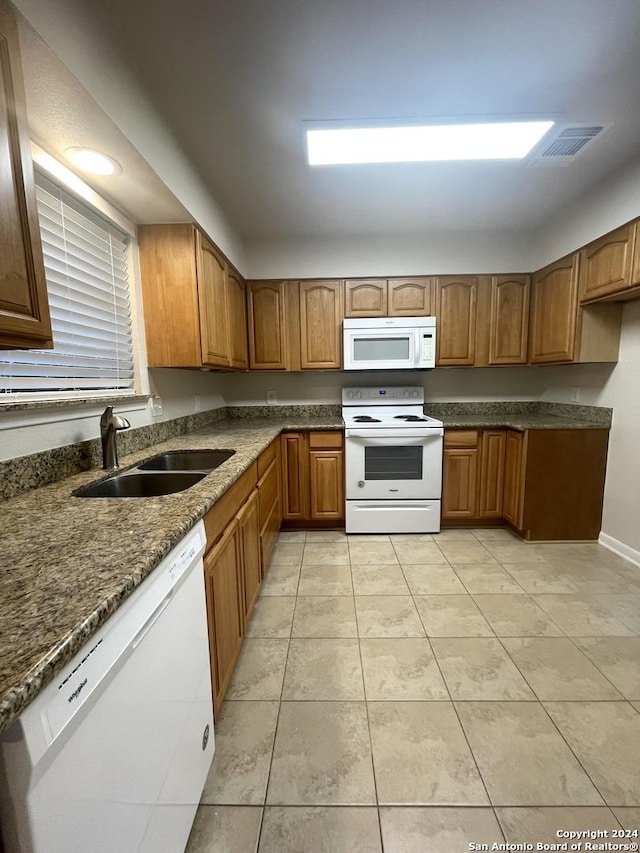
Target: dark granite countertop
(517, 421)
(68, 563)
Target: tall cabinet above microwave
(389, 343)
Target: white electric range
(393, 461)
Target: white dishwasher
(112, 756)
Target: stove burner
(367, 419)
(410, 417)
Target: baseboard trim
(620, 548)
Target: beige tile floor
(419, 693)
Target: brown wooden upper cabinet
(24, 309)
(456, 320)
(321, 313)
(268, 340)
(611, 265)
(365, 297)
(561, 330)
(194, 302)
(554, 311)
(393, 297)
(509, 321)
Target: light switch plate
(156, 406)
(271, 398)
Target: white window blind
(85, 259)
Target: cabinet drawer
(224, 510)
(326, 439)
(461, 438)
(266, 457)
(268, 491)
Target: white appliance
(393, 461)
(389, 343)
(112, 756)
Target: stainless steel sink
(187, 460)
(147, 485)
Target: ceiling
(235, 79)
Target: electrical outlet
(196, 402)
(156, 406)
(271, 398)
(575, 395)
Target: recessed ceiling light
(412, 143)
(93, 162)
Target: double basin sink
(164, 474)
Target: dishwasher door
(112, 756)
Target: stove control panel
(383, 396)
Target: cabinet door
(606, 264)
(554, 312)
(492, 473)
(212, 293)
(365, 298)
(224, 610)
(509, 319)
(267, 325)
(456, 320)
(410, 297)
(294, 453)
(460, 483)
(326, 482)
(236, 298)
(513, 501)
(321, 313)
(24, 307)
(249, 534)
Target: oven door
(380, 349)
(393, 464)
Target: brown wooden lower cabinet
(460, 476)
(548, 484)
(249, 533)
(242, 528)
(224, 611)
(312, 477)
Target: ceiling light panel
(419, 143)
(93, 162)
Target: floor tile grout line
(366, 710)
(455, 710)
(572, 751)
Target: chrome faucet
(109, 425)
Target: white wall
(65, 27)
(620, 390)
(356, 255)
(440, 385)
(26, 432)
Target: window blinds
(85, 259)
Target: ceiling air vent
(564, 143)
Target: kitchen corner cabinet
(563, 331)
(610, 266)
(554, 483)
(194, 303)
(24, 309)
(312, 477)
(547, 484)
(456, 320)
(394, 297)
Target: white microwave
(389, 343)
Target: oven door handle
(395, 436)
